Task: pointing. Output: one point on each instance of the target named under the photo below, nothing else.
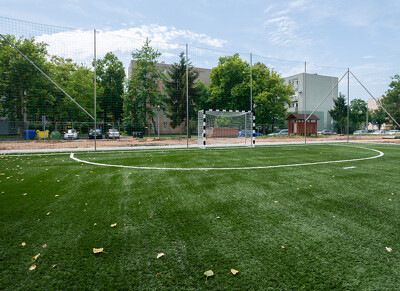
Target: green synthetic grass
(307, 227)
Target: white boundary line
(237, 168)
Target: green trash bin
(55, 135)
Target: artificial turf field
(316, 226)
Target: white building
(310, 90)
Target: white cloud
(79, 44)
(281, 31)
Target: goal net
(225, 128)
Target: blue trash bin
(29, 134)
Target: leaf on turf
(276, 202)
(158, 274)
(113, 225)
(55, 265)
(48, 213)
(23, 244)
(160, 255)
(234, 272)
(35, 257)
(282, 247)
(389, 249)
(24, 194)
(97, 251)
(33, 267)
(209, 273)
(56, 195)
(44, 246)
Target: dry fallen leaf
(23, 244)
(24, 194)
(56, 195)
(44, 246)
(113, 225)
(158, 274)
(97, 251)
(209, 273)
(389, 249)
(48, 213)
(160, 255)
(95, 224)
(55, 265)
(282, 247)
(275, 202)
(33, 267)
(234, 272)
(35, 257)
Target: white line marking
(346, 168)
(237, 168)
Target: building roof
(300, 116)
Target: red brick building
(296, 123)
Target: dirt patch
(133, 142)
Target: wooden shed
(296, 123)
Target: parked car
(394, 131)
(325, 132)
(359, 132)
(93, 133)
(281, 132)
(379, 131)
(71, 134)
(113, 133)
(248, 132)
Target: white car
(379, 131)
(360, 132)
(71, 134)
(392, 132)
(282, 132)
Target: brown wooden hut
(296, 123)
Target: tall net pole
(305, 103)
(251, 82)
(348, 105)
(95, 66)
(187, 97)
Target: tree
(358, 114)
(378, 116)
(339, 112)
(143, 94)
(392, 99)
(230, 84)
(175, 87)
(110, 74)
(24, 90)
(271, 95)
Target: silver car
(71, 134)
(113, 133)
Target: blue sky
(362, 35)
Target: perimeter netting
(225, 128)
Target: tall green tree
(23, 88)
(358, 114)
(230, 84)
(378, 116)
(110, 74)
(391, 100)
(339, 112)
(175, 87)
(144, 93)
(271, 96)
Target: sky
(330, 36)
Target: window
(165, 125)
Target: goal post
(226, 128)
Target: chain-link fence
(57, 85)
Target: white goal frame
(202, 125)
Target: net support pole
(187, 97)
(94, 81)
(376, 100)
(251, 82)
(305, 102)
(348, 105)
